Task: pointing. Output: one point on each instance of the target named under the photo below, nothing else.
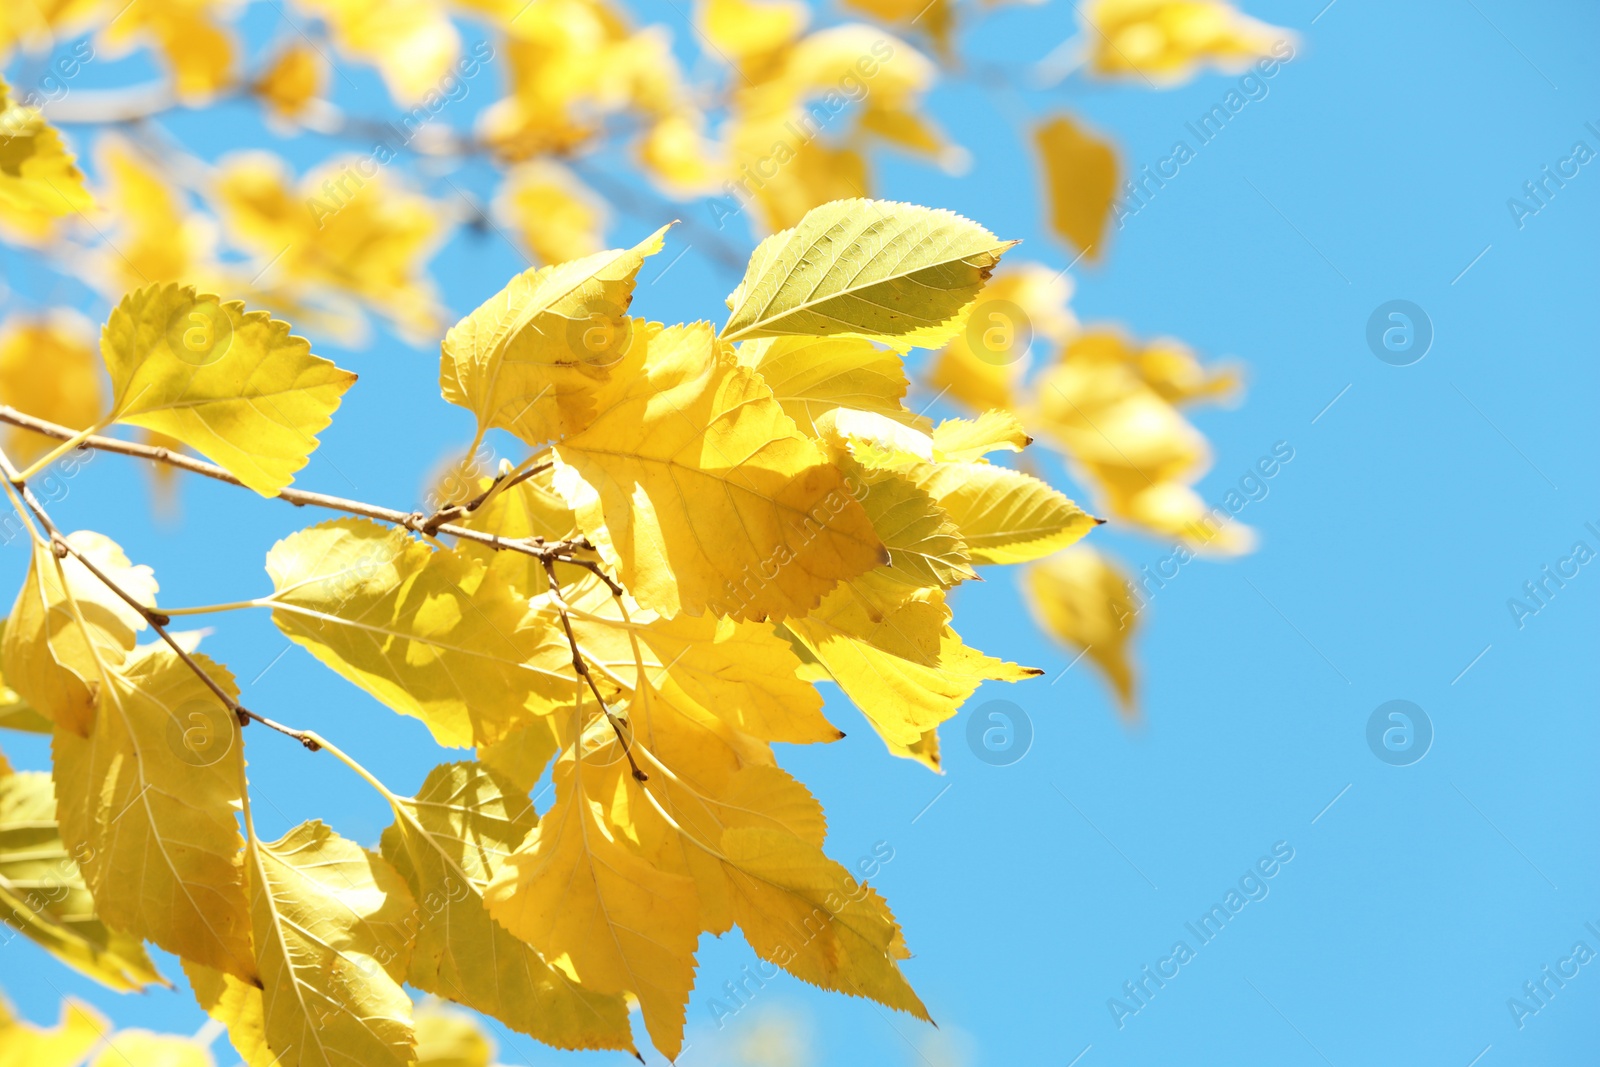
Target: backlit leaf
(234, 385)
(894, 273)
(531, 358)
(448, 843)
(150, 810)
(42, 892)
(701, 491)
(432, 633)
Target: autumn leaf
(556, 215)
(65, 1045)
(332, 934)
(38, 179)
(1080, 172)
(234, 385)
(412, 42)
(905, 669)
(701, 491)
(42, 893)
(152, 816)
(810, 376)
(432, 633)
(575, 889)
(67, 627)
(448, 843)
(1163, 42)
(48, 369)
(1085, 601)
(532, 356)
(1002, 515)
(894, 273)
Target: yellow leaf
(448, 1038)
(52, 661)
(332, 932)
(805, 912)
(350, 226)
(531, 358)
(894, 273)
(42, 892)
(1080, 172)
(151, 235)
(1004, 516)
(149, 800)
(926, 549)
(523, 755)
(238, 1006)
(140, 1048)
(293, 81)
(556, 215)
(1085, 601)
(432, 633)
(694, 484)
(38, 178)
(412, 42)
(447, 844)
(48, 369)
(234, 385)
(964, 440)
(738, 671)
(812, 375)
(24, 1045)
(748, 32)
(576, 890)
(1106, 404)
(1022, 306)
(199, 51)
(1166, 41)
(905, 669)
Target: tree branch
(158, 622)
(416, 522)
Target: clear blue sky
(1419, 898)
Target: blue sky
(1419, 899)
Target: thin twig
(582, 668)
(157, 621)
(565, 551)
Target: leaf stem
(74, 441)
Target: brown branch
(582, 668)
(158, 622)
(416, 522)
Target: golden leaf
(432, 633)
(48, 369)
(1085, 601)
(894, 273)
(1080, 172)
(234, 385)
(694, 484)
(447, 844)
(38, 179)
(42, 892)
(62, 635)
(333, 926)
(577, 890)
(531, 358)
(149, 800)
